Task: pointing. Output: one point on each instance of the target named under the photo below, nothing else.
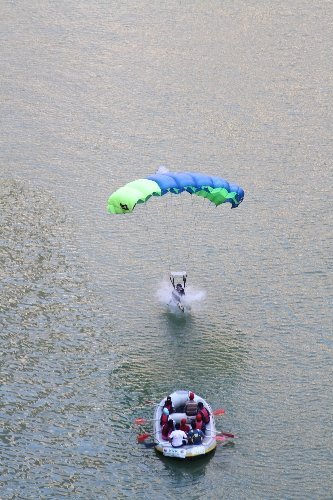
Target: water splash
(192, 297)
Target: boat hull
(187, 451)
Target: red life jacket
(199, 425)
(165, 431)
(186, 428)
(205, 415)
(164, 419)
(169, 406)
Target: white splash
(192, 296)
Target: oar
(149, 445)
(143, 437)
(141, 421)
(220, 438)
(228, 434)
(222, 433)
(150, 402)
(219, 411)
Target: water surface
(94, 95)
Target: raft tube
(187, 451)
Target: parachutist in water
(178, 291)
(177, 294)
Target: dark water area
(95, 95)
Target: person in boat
(184, 426)
(178, 437)
(168, 404)
(202, 410)
(199, 423)
(167, 429)
(191, 406)
(165, 416)
(195, 436)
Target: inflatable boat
(188, 450)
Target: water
(94, 95)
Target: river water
(95, 94)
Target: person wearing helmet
(204, 413)
(184, 425)
(164, 417)
(191, 406)
(167, 429)
(177, 437)
(180, 289)
(195, 436)
(199, 424)
(168, 404)
(177, 294)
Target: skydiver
(178, 292)
(179, 288)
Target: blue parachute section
(216, 189)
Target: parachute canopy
(215, 189)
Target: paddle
(220, 438)
(218, 434)
(223, 441)
(148, 445)
(141, 421)
(143, 437)
(219, 411)
(228, 434)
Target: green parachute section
(215, 189)
(125, 198)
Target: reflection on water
(93, 96)
(52, 334)
(181, 470)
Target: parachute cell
(215, 189)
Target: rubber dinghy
(189, 450)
